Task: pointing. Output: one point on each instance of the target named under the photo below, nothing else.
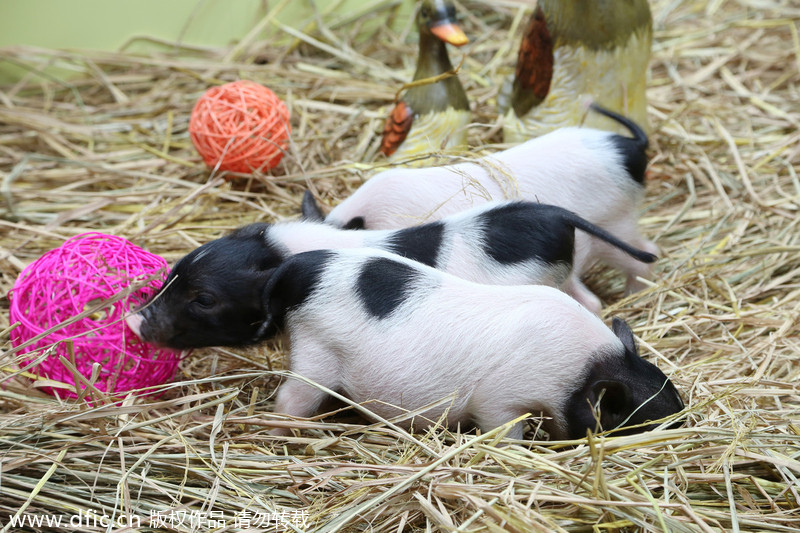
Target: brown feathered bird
(573, 51)
(430, 116)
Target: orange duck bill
(450, 33)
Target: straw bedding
(107, 149)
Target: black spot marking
(292, 284)
(355, 223)
(420, 243)
(384, 284)
(633, 155)
(523, 231)
(632, 149)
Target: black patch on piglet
(383, 285)
(523, 231)
(633, 150)
(633, 156)
(621, 389)
(419, 243)
(355, 223)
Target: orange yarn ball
(241, 126)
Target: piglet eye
(204, 300)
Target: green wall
(110, 24)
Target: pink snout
(135, 323)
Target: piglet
(217, 286)
(596, 174)
(400, 335)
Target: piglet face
(212, 296)
(622, 390)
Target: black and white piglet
(218, 286)
(376, 326)
(596, 174)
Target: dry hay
(107, 149)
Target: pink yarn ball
(241, 126)
(85, 271)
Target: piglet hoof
(280, 432)
(592, 303)
(633, 285)
(640, 271)
(580, 292)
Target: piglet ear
(310, 209)
(266, 329)
(273, 302)
(266, 269)
(624, 333)
(613, 402)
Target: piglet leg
(575, 288)
(487, 418)
(296, 399)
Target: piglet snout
(134, 322)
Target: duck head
(443, 104)
(438, 18)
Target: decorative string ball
(241, 126)
(82, 291)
